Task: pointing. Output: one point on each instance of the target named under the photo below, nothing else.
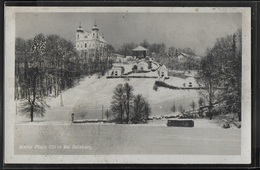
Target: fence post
(102, 112)
(72, 117)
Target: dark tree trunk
(34, 96)
(210, 110)
(121, 109)
(239, 116)
(127, 105)
(32, 113)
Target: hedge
(123, 76)
(163, 84)
(91, 121)
(180, 123)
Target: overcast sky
(194, 30)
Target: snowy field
(107, 139)
(87, 98)
(45, 135)
(178, 82)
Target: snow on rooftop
(102, 39)
(163, 67)
(139, 48)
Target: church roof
(80, 29)
(188, 56)
(88, 37)
(95, 27)
(184, 54)
(140, 48)
(102, 39)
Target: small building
(129, 58)
(154, 54)
(142, 66)
(191, 73)
(120, 58)
(191, 82)
(116, 71)
(140, 52)
(183, 57)
(163, 72)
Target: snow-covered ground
(179, 82)
(88, 97)
(107, 139)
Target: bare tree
(209, 77)
(35, 104)
(107, 113)
(221, 68)
(141, 110)
(43, 65)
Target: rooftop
(140, 48)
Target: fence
(163, 84)
(123, 76)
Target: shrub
(226, 125)
(155, 87)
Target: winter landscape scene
(128, 83)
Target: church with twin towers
(90, 44)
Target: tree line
(47, 65)
(221, 67)
(220, 72)
(161, 54)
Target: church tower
(90, 43)
(79, 34)
(95, 32)
(79, 37)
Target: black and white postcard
(157, 85)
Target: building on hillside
(119, 58)
(153, 54)
(163, 72)
(116, 71)
(190, 82)
(90, 43)
(142, 66)
(129, 58)
(191, 73)
(140, 52)
(183, 57)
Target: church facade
(90, 44)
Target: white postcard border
(9, 109)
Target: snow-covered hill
(86, 99)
